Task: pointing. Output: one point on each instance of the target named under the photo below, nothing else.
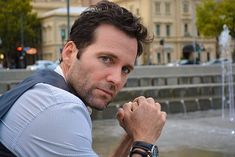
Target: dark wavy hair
(105, 12)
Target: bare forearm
(123, 148)
(143, 121)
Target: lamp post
(62, 35)
(68, 17)
(1, 55)
(0, 42)
(22, 30)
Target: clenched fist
(142, 119)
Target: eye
(126, 70)
(106, 59)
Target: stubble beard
(86, 93)
(87, 96)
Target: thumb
(120, 116)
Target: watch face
(155, 152)
(152, 150)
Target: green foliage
(212, 15)
(228, 10)
(16, 18)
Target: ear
(68, 53)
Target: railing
(178, 89)
(9, 78)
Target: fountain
(227, 77)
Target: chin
(99, 107)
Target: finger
(120, 116)
(150, 100)
(134, 106)
(164, 115)
(158, 106)
(139, 98)
(127, 106)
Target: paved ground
(196, 134)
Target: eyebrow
(131, 67)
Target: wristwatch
(149, 150)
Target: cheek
(122, 85)
(89, 76)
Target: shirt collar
(59, 71)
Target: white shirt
(48, 122)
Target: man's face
(103, 67)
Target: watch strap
(147, 147)
(136, 151)
(140, 144)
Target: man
(47, 121)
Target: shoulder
(51, 93)
(48, 116)
(46, 97)
(65, 121)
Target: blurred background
(185, 31)
(188, 67)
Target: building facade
(53, 15)
(170, 22)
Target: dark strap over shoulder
(4, 152)
(9, 98)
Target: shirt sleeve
(60, 131)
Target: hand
(142, 119)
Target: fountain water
(227, 77)
(183, 106)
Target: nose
(116, 78)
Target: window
(168, 30)
(158, 57)
(131, 8)
(158, 30)
(186, 32)
(168, 57)
(62, 34)
(185, 6)
(49, 34)
(167, 8)
(185, 28)
(208, 57)
(44, 33)
(157, 8)
(137, 11)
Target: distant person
(49, 121)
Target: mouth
(107, 92)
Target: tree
(18, 27)
(227, 11)
(212, 15)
